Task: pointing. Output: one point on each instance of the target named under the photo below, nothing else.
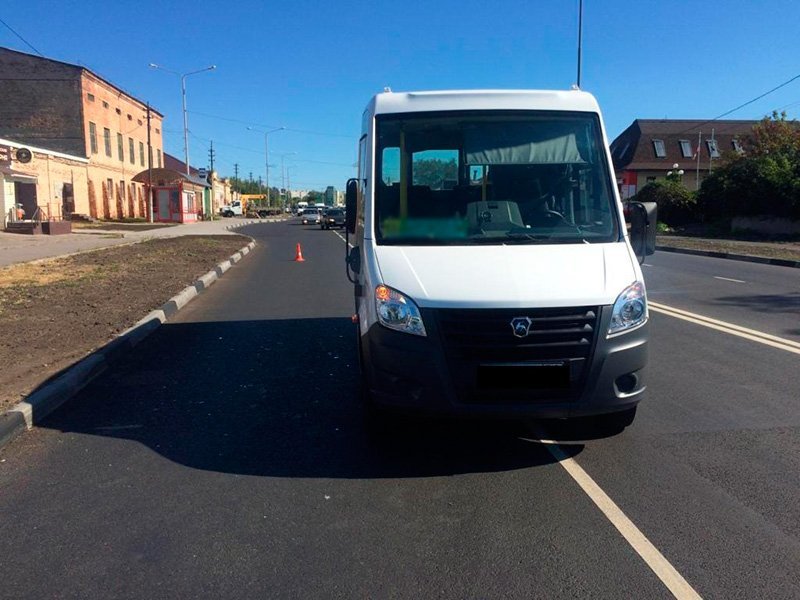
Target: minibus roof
(448, 100)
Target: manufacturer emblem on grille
(521, 326)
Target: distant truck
(257, 205)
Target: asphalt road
(752, 295)
(227, 457)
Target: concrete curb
(62, 386)
(780, 262)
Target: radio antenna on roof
(580, 40)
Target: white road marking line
(743, 332)
(646, 265)
(729, 279)
(342, 238)
(668, 574)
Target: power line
(306, 131)
(758, 97)
(253, 150)
(22, 38)
(725, 114)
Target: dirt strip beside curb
(62, 386)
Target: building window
(141, 153)
(658, 146)
(107, 141)
(122, 190)
(651, 179)
(93, 137)
(130, 151)
(90, 97)
(713, 151)
(118, 111)
(737, 146)
(130, 118)
(686, 148)
(105, 104)
(158, 130)
(158, 154)
(139, 121)
(120, 147)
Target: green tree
(763, 180)
(676, 204)
(433, 172)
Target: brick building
(71, 110)
(29, 175)
(649, 148)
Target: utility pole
(213, 177)
(236, 172)
(699, 141)
(149, 170)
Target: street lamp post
(266, 153)
(183, 77)
(283, 170)
(288, 197)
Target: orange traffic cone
(298, 257)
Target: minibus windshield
(485, 177)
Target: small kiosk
(177, 197)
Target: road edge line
(62, 386)
(652, 556)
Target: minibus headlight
(397, 312)
(630, 309)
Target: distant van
(493, 271)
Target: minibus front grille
(475, 340)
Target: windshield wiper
(522, 237)
(519, 236)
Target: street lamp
(676, 173)
(183, 77)
(266, 152)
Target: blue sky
(312, 66)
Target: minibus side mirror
(643, 228)
(350, 204)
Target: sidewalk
(16, 248)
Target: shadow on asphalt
(277, 398)
(765, 302)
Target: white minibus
(494, 274)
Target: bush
(765, 180)
(750, 186)
(676, 204)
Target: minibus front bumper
(590, 375)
